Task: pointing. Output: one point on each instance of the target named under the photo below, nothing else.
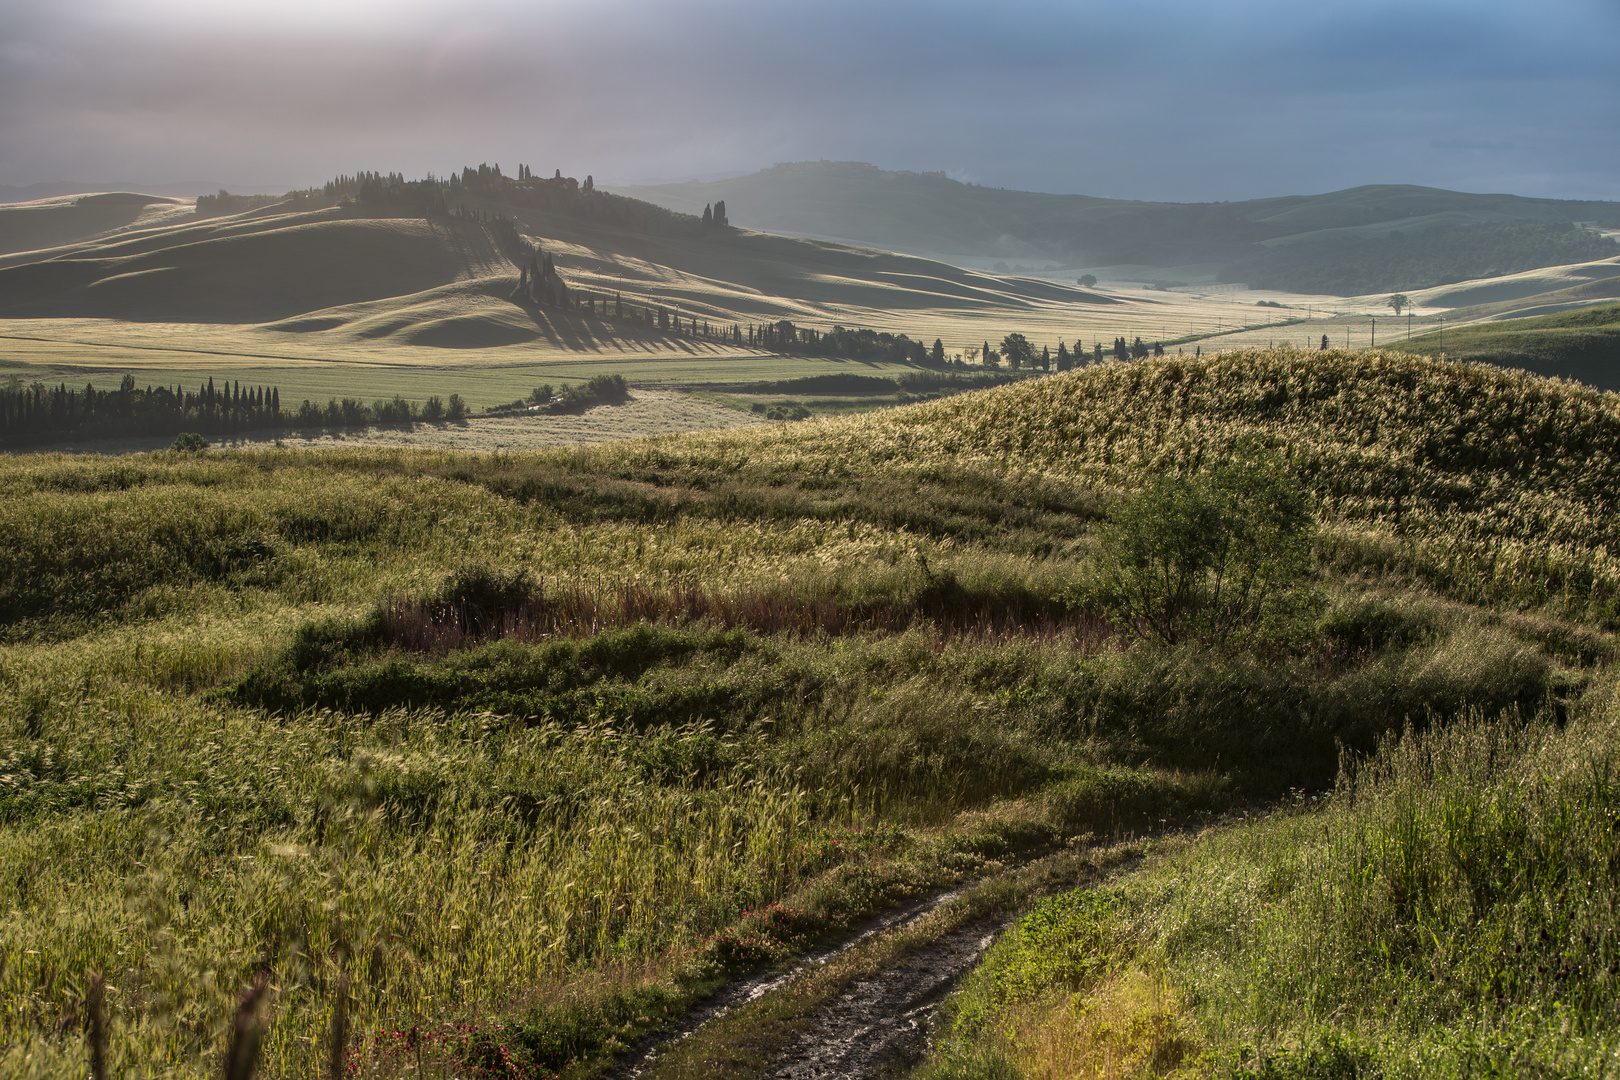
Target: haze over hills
(430, 275)
(1362, 240)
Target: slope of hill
(248, 269)
(57, 222)
(1348, 241)
(513, 757)
(1516, 294)
(1582, 344)
(280, 263)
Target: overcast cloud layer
(1189, 100)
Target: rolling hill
(1375, 238)
(57, 222)
(314, 267)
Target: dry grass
(1131, 1025)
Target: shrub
(1215, 556)
(189, 442)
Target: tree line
(41, 413)
(1019, 352)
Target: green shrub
(1216, 556)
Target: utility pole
(1373, 342)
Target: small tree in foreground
(1220, 556)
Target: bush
(189, 442)
(1216, 556)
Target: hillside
(1582, 344)
(61, 221)
(284, 261)
(520, 756)
(1370, 239)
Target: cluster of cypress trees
(714, 217)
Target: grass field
(523, 752)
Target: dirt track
(880, 1025)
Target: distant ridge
(1361, 240)
(183, 189)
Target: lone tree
(1400, 301)
(1086, 280)
(1017, 349)
(1220, 556)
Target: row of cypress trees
(38, 411)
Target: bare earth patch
(648, 412)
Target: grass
(1443, 913)
(529, 751)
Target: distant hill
(437, 262)
(1378, 238)
(1582, 344)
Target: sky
(1183, 100)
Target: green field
(1582, 344)
(523, 753)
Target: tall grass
(1448, 912)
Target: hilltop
(1375, 238)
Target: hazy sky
(1159, 99)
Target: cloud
(1156, 99)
